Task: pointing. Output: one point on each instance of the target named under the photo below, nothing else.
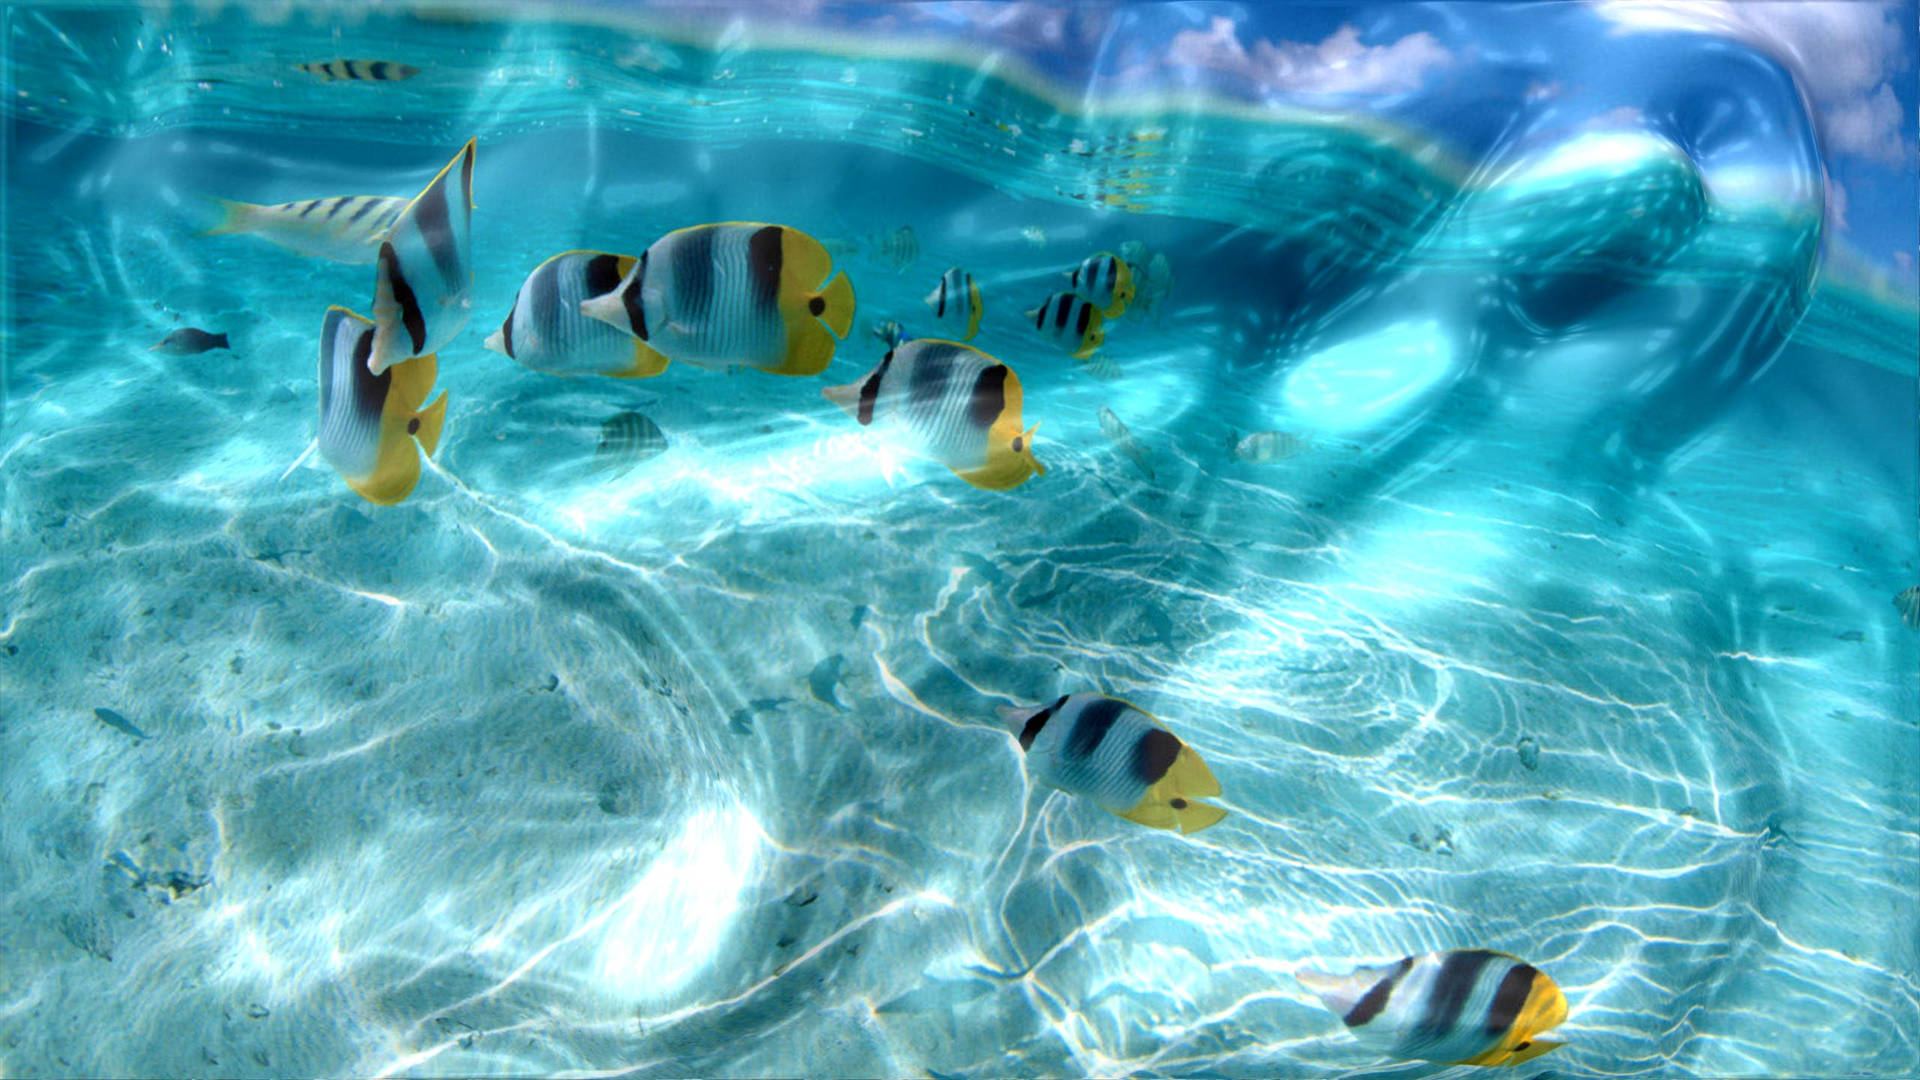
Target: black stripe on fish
(1076, 277)
(466, 180)
(940, 310)
(1376, 999)
(693, 278)
(602, 274)
(348, 70)
(636, 310)
(1040, 318)
(1451, 988)
(1037, 721)
(410, 316)
(1510, 998)
(1060, 312)
(1086, 316)
(1091, 726)
(436, 231)
(369, 390)
(367, 204)
(989, 396)
(932, 373)
(337, 204)
(764, 262)
(309, 207)
(870, 390)
(506, 328)
(1110, 270)
(379, 70)
(1153, 755)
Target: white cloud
(1338, 65)
(1843, 54)
(1836, 204)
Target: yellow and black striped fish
(1105, 281)
(955, 404)
(423, 293)
(359, 70)
(1467, 1007)
(1071, 323)
(1119, 757)
(545, 330)
(737, 293)
(956, 303)
(369, 422)
(343, 228)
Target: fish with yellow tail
(954, 404)
(1466, 1007)
(369, 423)
(734, 294)
(1105, 281)
(423, 291)
(956, 303)
(342, 228)
(1119, 757)
(1071, 323)
(545, 330)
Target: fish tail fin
(1191, 775)
(1026, 450)
(235, 217)
(1533, 1050)
(809, 351)
(220, 341)
(838, 313)
(1195, 816)
(431, 419)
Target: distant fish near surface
(187, 341)
(1105, 281)
(955, 404)
(1035, 235)
(1264, 447)
(1467, 1007)
(734, 294)
(1119, 757)
(423, 291)
(895, 249)
(343, 228)
(1909, 604)
(889, 332)
(118, 723)
(1154, 285)
(1135, 252)
(359, 70)
(1123, 440)
(956, 303)
(627, 440)
(368, 421)
(1071, 323)
(545, 330)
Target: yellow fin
(973, 316)
(1026, 441)
(839, 310)
(647, 362)
(413, 381)
(431, 420)
(1191, 777)
(233, 217)
(805, 258)
(1153, 814)
(1502, 1055)
(809, 350)
(1198, 815)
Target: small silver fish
(1123, 440)
(627, 440)
(889, 332)
(895, 249)
(119, 723)
(1909, 604)
(188, 341)
(1264, 447)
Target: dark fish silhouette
(188, 341)
(119, 723)
(360, 71)
(627, 440)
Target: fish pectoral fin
(647, 362)
(1191, 777)
(430, 420)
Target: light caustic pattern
(1536, 644)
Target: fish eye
(1179, 804)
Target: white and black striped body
(1105, 281)
(943, 395)
(352, 398)
(710, 296)
(1099, 748)
(423, 292)
(359, 70)
(546, 331)
(1070, 322)
(342, 228)
(1471, 1006)
(956, 304)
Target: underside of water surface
(1567, 626)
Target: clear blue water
(1568, 633)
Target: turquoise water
(1569, 632)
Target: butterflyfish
(734, 294)
(954, 404)
(626, 440)
(1070, 322)
(1119, 757)
(423, 292)
(545, 330)
(369, 423)
(189, 341)
(1116, 431)
(343, 228)
(1264, 447)
(1466, 1007)
(359, 70)
(956, 303)
(1105, 281)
